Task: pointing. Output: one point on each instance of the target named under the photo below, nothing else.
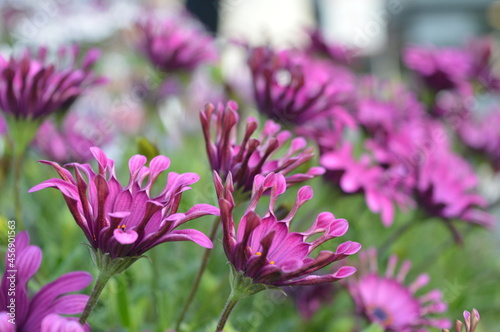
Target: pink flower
(73, 141)
(31, 314)
(387, 301)
(176, 43)
(128, 221)
(440, 69)
(471, 321)
(31, 88)
(264, 249)
(291, 87)
(383, 187)
(252, 156)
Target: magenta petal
(70, 304)
(5, 326)
(125, 237)
(189, 235)
(305, 194)
(344, 272)
(56, 323)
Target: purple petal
(125, 237)
(189, 235)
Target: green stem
(100, 283)
(201, 270)
(17, 161)
(231, 302)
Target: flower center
(380, 315)
(122, 227)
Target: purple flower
(471, 321)
(30, 313)
(176, 43)
(56, 323)
(253, 155)
(291, 87)
(383, 106)
(387, 301)
(310, 299)
(440, 69)
(264, 249)
(446, 188)
(383, 187)
(481, 134)
(127, 222)
(339, 53)
(31, 88)
(73, 141)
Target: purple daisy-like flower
(339, 53)
(387, 301)
(128, 221)
(32, 88)
(383, 187)
(440, 69)
(71, 142)
(264, 249)
(446, 188)
(176, 43)
(383, 106)
(291, 87)
(471, 321)
(252, 156)
(20, 313)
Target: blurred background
(377, 29)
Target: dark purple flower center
(380, 315)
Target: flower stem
(17, 162)
(201, 270)
(100, 283)
(231, 302)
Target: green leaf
(147, 148)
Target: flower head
(387, 301)
(292, 87)
(30, 314)
(253, 155)
(339, 53)
(440, 69)
(176, 43)
(265, 250)
(384, 186)
(447, 187)
(71, 142)
(471, 321)
(31, 88)
(383, 106)
(128, 221)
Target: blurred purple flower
(176, 43)
(264, 249)
(73, 141)
(30, 315)
(483, 135)
(339, 53)
(446, 187)
(252, 156)
(383, 187)
(471, 321)
(482, 67)
(127, 222)
(440, 69)
(31, 88)
(383, 106)
(56, 323)
(309, 299)
(291, 87)
(387, 301)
